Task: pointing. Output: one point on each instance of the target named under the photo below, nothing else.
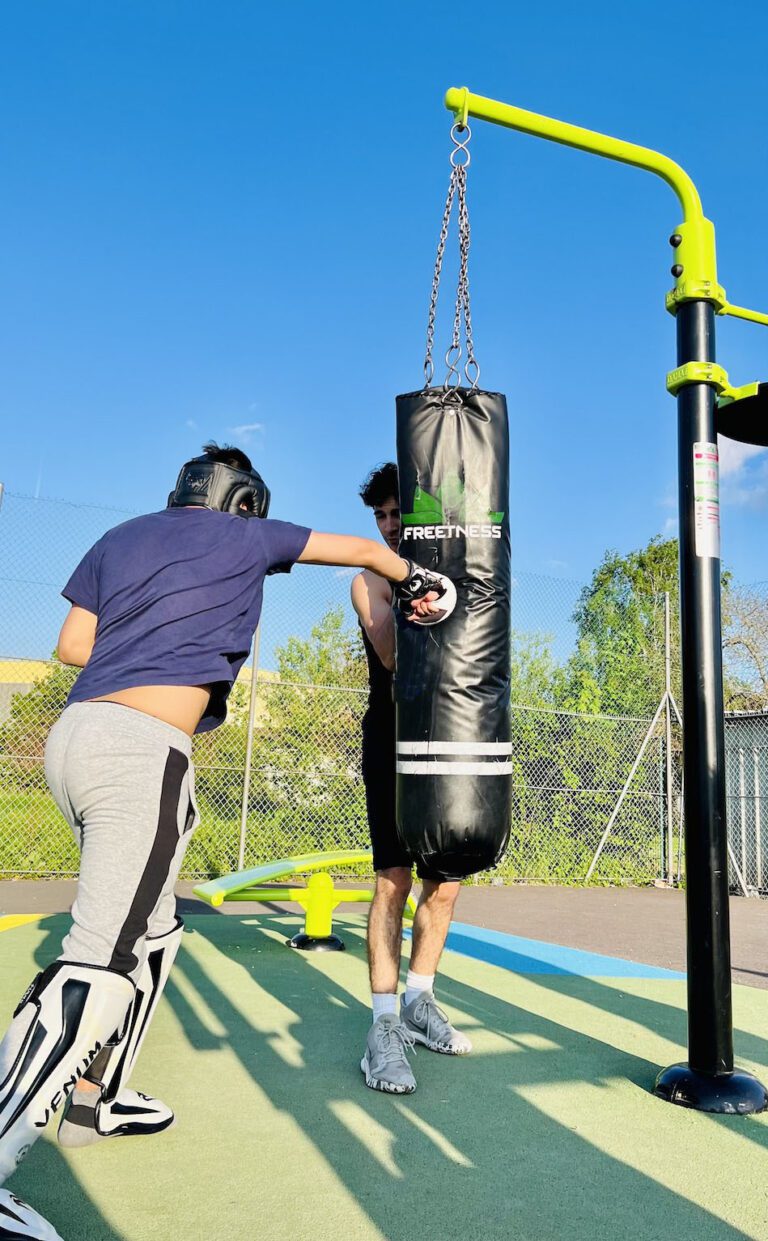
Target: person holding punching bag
(392, 1034)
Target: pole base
(731, 1094)
(316, 943)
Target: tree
(570, 762)
(311, 732)
(305, 789)
(618, 665)
(745, 647)
(331, 655)
(532, 670)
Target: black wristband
(418, 583)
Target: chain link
(464, 241)
(429, 366)
(457, 190)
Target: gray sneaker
(429, 1025)
(385, 1062)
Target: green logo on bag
(454, 511)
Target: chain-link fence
(746, 750)
(595, 726)
(590, 798)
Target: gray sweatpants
(124, 782)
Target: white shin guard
(67, 1016)
(161, 954)
(19, 1222)
(117, 1111)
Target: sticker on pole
(706, 499)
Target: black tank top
(380, 717)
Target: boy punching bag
(452, 677)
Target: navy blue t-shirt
(178, 597)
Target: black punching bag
(452, 679)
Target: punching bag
(452, 679)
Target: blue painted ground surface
(534, 956)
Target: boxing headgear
(203, 483)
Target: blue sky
(219, 219)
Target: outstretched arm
(347, 549)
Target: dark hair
(380, 484)
(227, 455)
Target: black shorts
(379, 781)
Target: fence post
(668, 722)
(758, 833)
(743, 815)
(249, 750)
(624, 792)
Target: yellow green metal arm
(695, 268)
(464, 104)
(741, 312)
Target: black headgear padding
(203, 483)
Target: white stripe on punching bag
(454, 747)
(454, 769)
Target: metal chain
(457, 189)
(429, 366)
(464, 242)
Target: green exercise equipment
(318, 898)
(707, 404)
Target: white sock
(78, 1127)
(383, 1002)
(416, 983)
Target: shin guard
(19, 1222)
(68, 1015)
(120, 1112)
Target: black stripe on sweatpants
(152, 881)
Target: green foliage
(24, 732)
(569, 760)
(532, 670)
(307, 784)
(746, 651)
(331, 655)
(219, 757)
(618, 665)
(34, 838)
(305, 789)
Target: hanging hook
(460, 159)
(461, 113)
(452, 360)
(461, 144)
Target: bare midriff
(183, 706)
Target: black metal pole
(710, 1041)
(708, 1082)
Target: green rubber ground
(547, 1132)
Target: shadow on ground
(472, 1152)
(468, 1151)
